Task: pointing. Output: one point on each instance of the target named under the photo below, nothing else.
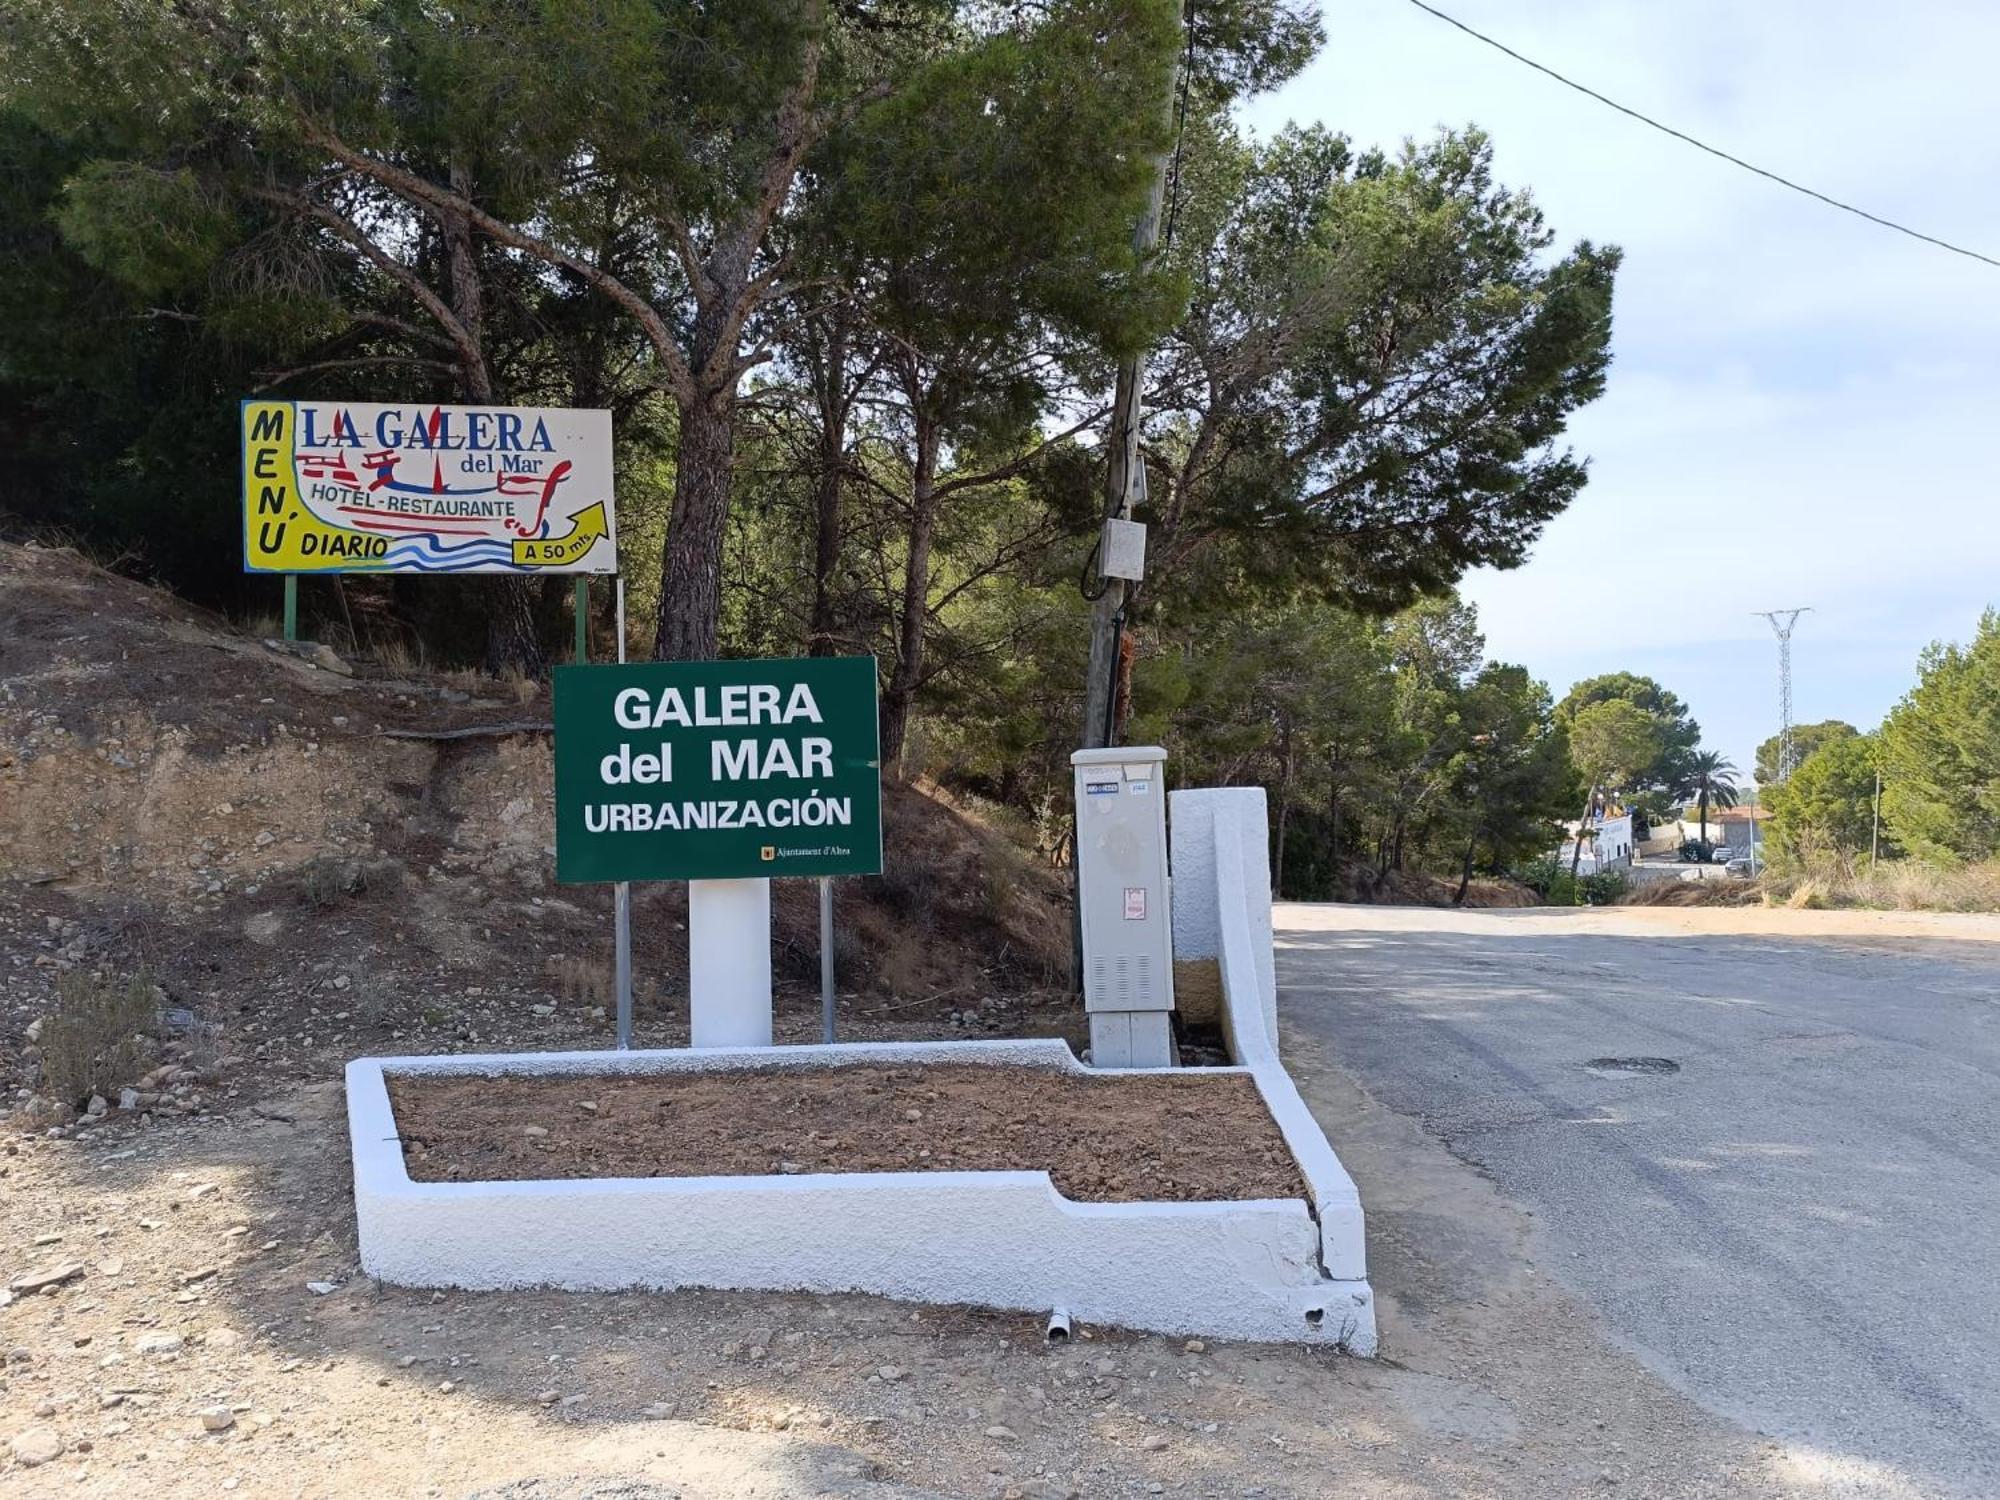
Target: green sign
(716, 770)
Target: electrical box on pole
(1121, 892)
(1121, 551)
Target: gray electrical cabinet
(1121, 893)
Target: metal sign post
(621, 894)
(826, 957)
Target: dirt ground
(218, 1285)
(1099, 1139)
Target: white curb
(1254, 1269)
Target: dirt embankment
(287, 846)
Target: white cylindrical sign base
(729, 963)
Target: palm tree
(1713, 777)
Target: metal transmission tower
(1781, 625)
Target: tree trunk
(910, 626)
(704, 460)
(1704, 815)
(1333, 812)
(1284, 808)
(691, 572)
(1465, 874)
(833, 398)
(513, 641)
(1583, 827)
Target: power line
(1681, 135)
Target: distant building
(1611, 846)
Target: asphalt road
(1785, 1198)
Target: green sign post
(717, 770)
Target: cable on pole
(1699, 145)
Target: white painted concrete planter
(1273, 1269)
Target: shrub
(98, 1038)
(1550, 879)
(1602, 889)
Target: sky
(1802, 408)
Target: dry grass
(1894, 885)
(399, 657)
(98, 1038)
(1729, 892)
(580, 980)
(521, 686)
(1830, 879)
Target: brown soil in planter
(1100, 1139)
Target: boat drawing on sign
(448, 499)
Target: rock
(112, 1267)
(221, 1339)
(534, 1132)
(37, 1445)
(1002, 1434)
(913, 1115)
(313, 653)
(548, 1398)
(446, 1387)
(98, 1105)
(217, 1419)
(322, 1288)
(39, 1281)
(1155, 1443)
(159, 1343)
(341, 981)
(658, 1411)
(1195, 1346)
(892, 1372)
(128, 1098)
(589, 1106)
(34, 1032)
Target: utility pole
(1124, 487)
(1782, 621)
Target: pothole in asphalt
(1618, 1067)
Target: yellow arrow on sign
(560, 551)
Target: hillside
(319, 857)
